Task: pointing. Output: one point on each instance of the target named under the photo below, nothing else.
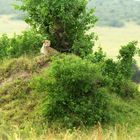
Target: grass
(19, 105)
(17, 102)
(96, 133)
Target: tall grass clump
(118, 132)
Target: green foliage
(38, 84)
(76, 93)
(97, 56)
(119, 72)
(83, 45)
(29, 42)
(127, 89)
(4, 44)
(126, 59)
(65, 23)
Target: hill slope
(17, 100)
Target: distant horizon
(121, 11)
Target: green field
(111, 39)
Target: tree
(64, 22)
(126, 59)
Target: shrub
(126, 59)
(28, 42)
(4, 44)
(76, 92)
(83, 45)
(119, 72)
(65, 22)
(128, 89)
(96, 57)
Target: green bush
(126, 59)
(76, 92)
(119, 72)
(127, 89)
(4, 44)
(96, 57)
(28, 42)
(83, 45)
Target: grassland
(111, 39)
(95, 133)
(18, 105)
(11, 26)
